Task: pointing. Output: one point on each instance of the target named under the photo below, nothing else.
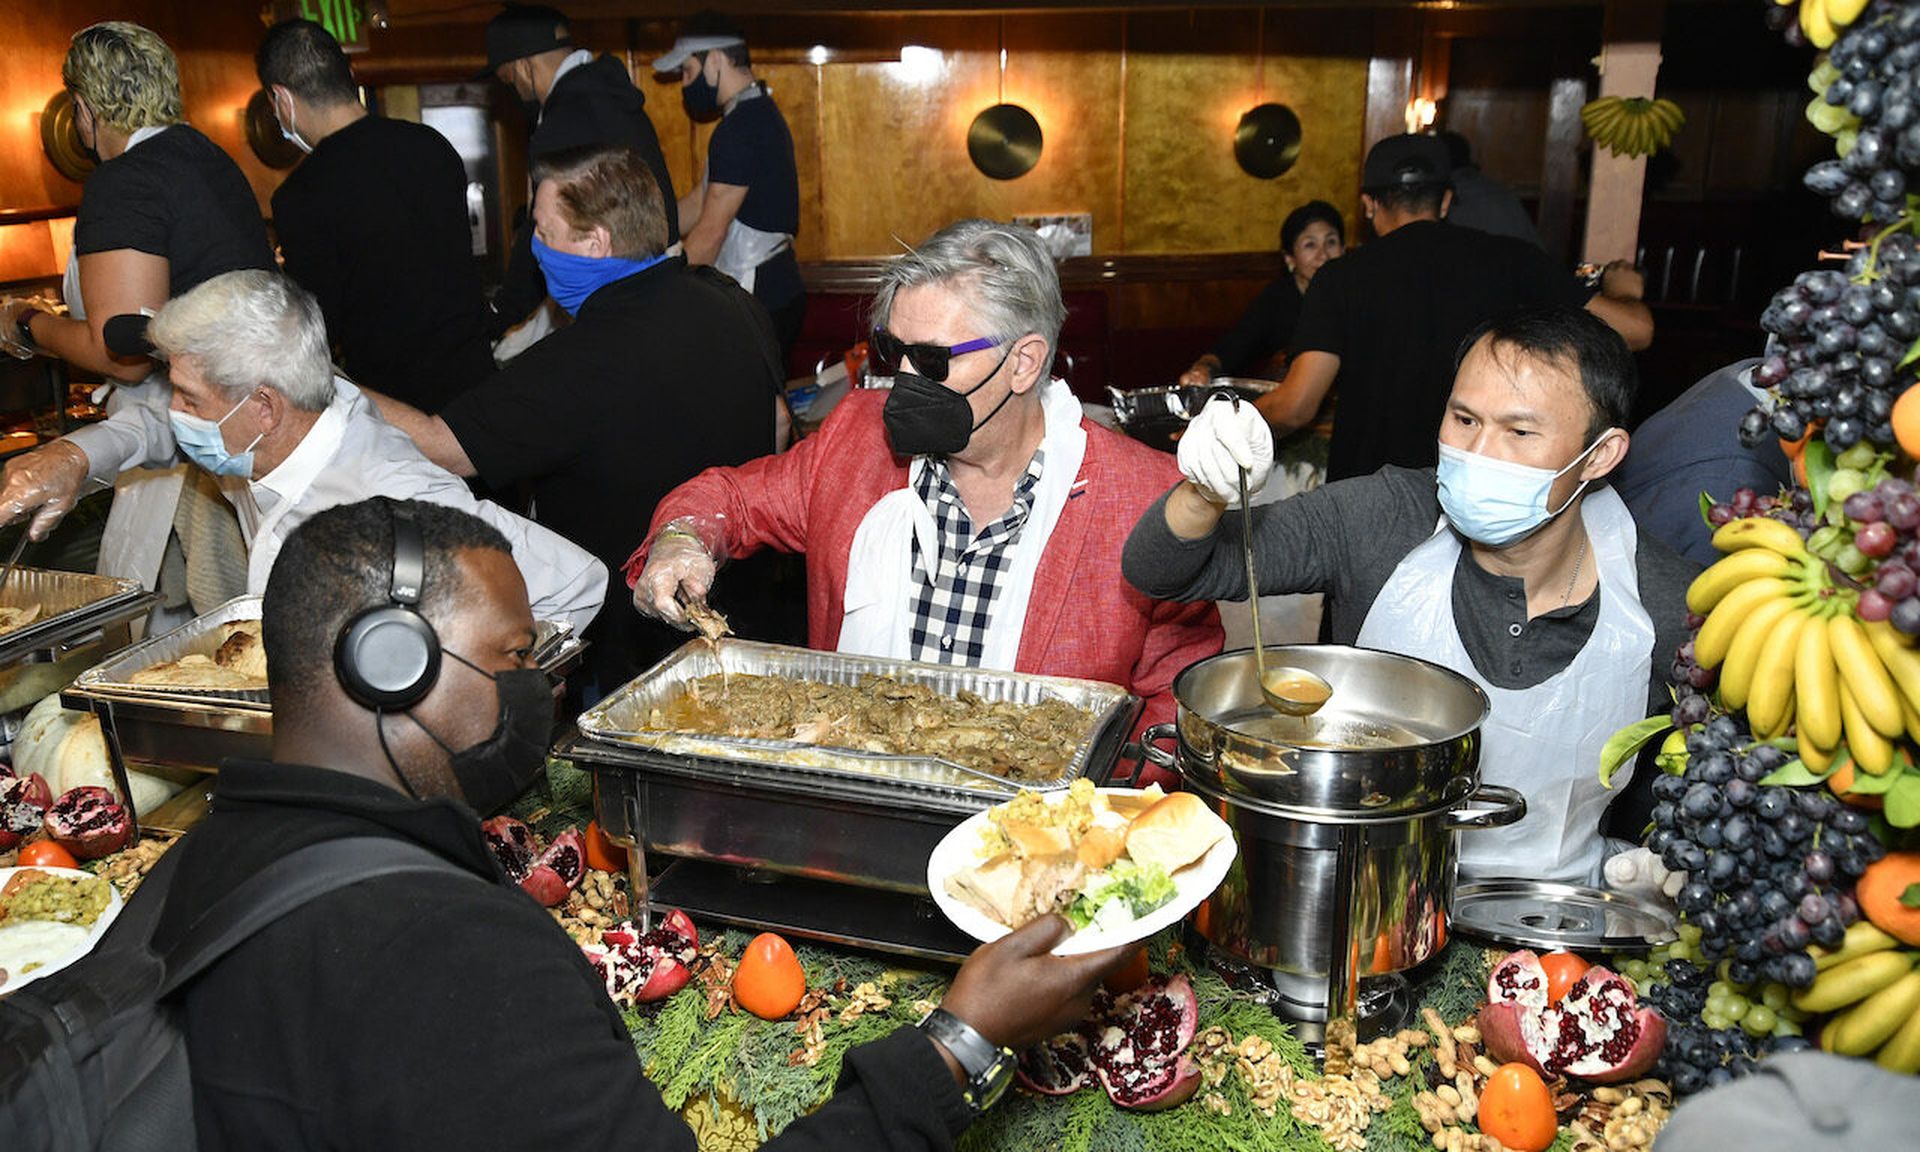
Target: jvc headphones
(387, 656)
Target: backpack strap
(287, 884)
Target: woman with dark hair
(1311, 235)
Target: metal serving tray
(622, 717)
(555, 648)
(199, 636)
(82, 617)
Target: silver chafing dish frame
(82, 616)
(192, 730)
(863, 837)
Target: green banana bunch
(1632, 125)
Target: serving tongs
(13, 558)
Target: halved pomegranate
(639, 969)
(23, 806)
(549, 875)
(1059, 1067)
(1598, 1032)
(1140, 1044)
(88, 822)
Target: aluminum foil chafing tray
(198, 727)
(82, 617)
(773, 806)
(623, 718)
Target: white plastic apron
(877, 607)
(1545, 740)
(744, 249)
(141, 518)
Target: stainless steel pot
(1345, 821)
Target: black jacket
(595, 103)
(426, 1011)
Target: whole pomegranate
(639, 969)
(88, 822)
(1599, 1031)
(23, 805)
(547, 874)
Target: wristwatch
(989, 1068)
(24, 320)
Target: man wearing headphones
(422, 1009)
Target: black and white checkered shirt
(953, 596)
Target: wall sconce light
(1420, 114)
(263, 133)
(60, 139)
(1004, 140)
(1267, 142)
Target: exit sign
(346, 20)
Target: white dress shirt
(351, 454)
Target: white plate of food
(50, 917)
(1118, 862)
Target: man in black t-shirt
(1382, 324)
(743, 216)
(575, 100)
(374, 224)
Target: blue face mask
(571, 279)
(200, 441)
(1495, 502)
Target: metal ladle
(1287, 690)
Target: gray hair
(251, 329)
(1003, 270)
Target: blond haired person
(165, 210)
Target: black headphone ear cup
(387, 657)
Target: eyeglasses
(932, 360)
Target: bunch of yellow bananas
(1791, 652)
(1822, 21)
(1871, 982)
(1631, 125)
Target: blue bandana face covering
(1496, 502)
(571, 279)
(200, 441)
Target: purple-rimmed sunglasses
(931, 360)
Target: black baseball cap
(523, 30)
(1406, 161)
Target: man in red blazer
(969, 515)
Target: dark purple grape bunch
(1697, 1057)
(1872, 65)
(1841, 340)
(1770, 869)
(1793, 508)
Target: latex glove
(1219, 442)
(1639, 872)
(677, 564)
(1016, 994)
(10, 338)
(46, 483)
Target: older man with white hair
(256, 403)
(970, 515)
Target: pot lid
(1543, 914)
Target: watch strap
(23, 319)
(989, 1067)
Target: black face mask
(701, 97)
(494, 772)
(926, 418)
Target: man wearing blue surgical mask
(1512, 563)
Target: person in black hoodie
(574, 101)
(446, 1009)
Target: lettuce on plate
(1124, 892)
